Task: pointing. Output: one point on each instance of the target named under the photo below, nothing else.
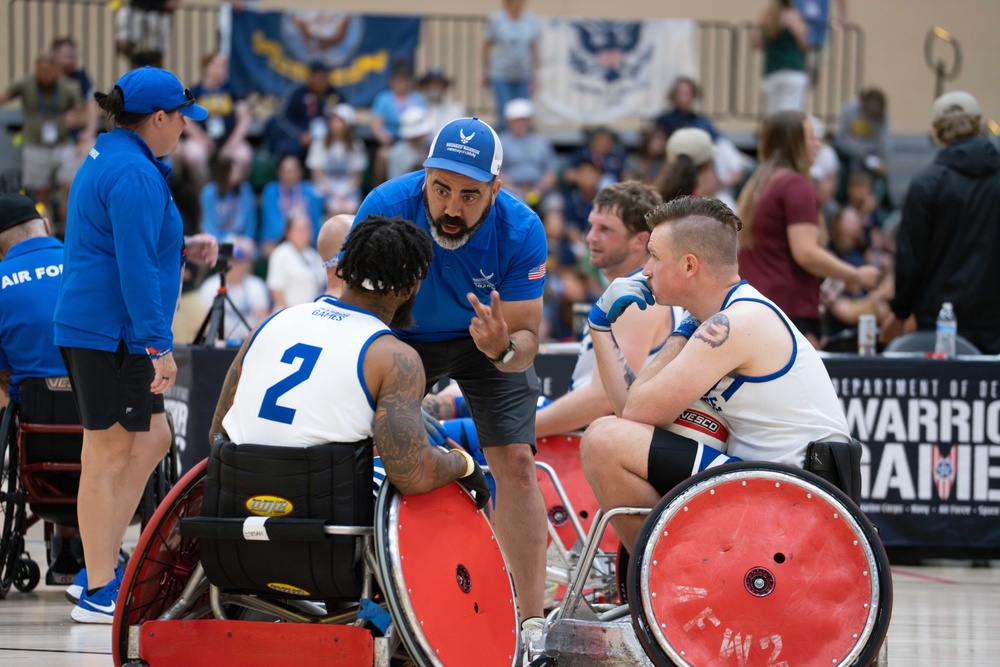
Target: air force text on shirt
(38, 273)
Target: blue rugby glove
(687, 327)
(435, 431)
(621, 293)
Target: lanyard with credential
(42, 105)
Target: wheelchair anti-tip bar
(266, 529)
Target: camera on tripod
(212, 331)
(226, 254)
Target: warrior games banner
(931, 465)
(270, 51)
(600, 71)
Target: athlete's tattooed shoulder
(714, 331)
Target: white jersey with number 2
(302, 381)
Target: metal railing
(730, 70)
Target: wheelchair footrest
(253, 644)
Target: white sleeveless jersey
(774, 417)
(302, 381)
(586, 360)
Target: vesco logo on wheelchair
(269, 506)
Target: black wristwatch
(507, 355)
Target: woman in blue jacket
(122, 275)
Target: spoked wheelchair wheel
(11, 503)
(450, 596)
(759, 564)
(161, 564)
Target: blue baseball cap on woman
(469, 147)
(150, 89)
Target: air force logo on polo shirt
(485, 282)
(39, 273)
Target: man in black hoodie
(949, 238)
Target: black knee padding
(332, 482)
(838, 463)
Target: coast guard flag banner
(269, 51)
(600, 71)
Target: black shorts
(673, 458)
(112, 388)
(502, 404)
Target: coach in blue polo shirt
(30, 272)
(477, 316)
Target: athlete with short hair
(737, 350)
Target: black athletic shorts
(502, 404)
(112, 388)
(673, 458)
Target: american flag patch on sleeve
(537, 274)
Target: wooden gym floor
(948, 614)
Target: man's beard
(452, 241)
(403, 320)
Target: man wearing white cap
(530, 168)
(477, 317)
(949, 239)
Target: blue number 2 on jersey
(270, 409)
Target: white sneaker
(531, 637)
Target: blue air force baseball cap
(469, 147)
(150, 89)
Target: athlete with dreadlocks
(340, 373)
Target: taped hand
(621, 293)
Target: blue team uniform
(507, 253)
(124, 239)
(29, 284)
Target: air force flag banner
(271, 50)
(601, 71)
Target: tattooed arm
(228, 392)
(395, 377)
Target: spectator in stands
(142, 30)
(286, 197)
(510, 55)
(227, 202)
(386, 110)
(328, 244)
(949, 239)
(780, 251)
(224, 132)
(650, 155)
(338, 161)
(683, 97)
(782, 33)
(529, 166)
(689, 169)
(825, 171)
(410, 150)
(816, 14)
(441, 109)
(52, 108)
(65, 52)
(862, 138)
(295, 273)
(604, 152)
(567, 219)
(249, 297)
(301, 116)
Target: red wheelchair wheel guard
(446, 582)
(756, 564)
(562, 452)
(162, 561)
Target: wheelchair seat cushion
(331, 482)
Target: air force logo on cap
(469, 147)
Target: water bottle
(867, 333)
(947, 329)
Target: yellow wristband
(470, 463)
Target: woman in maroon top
(780, 250)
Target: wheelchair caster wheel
(27, 575)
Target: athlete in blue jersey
(477, 316)
(736, 350)
(30, 271)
